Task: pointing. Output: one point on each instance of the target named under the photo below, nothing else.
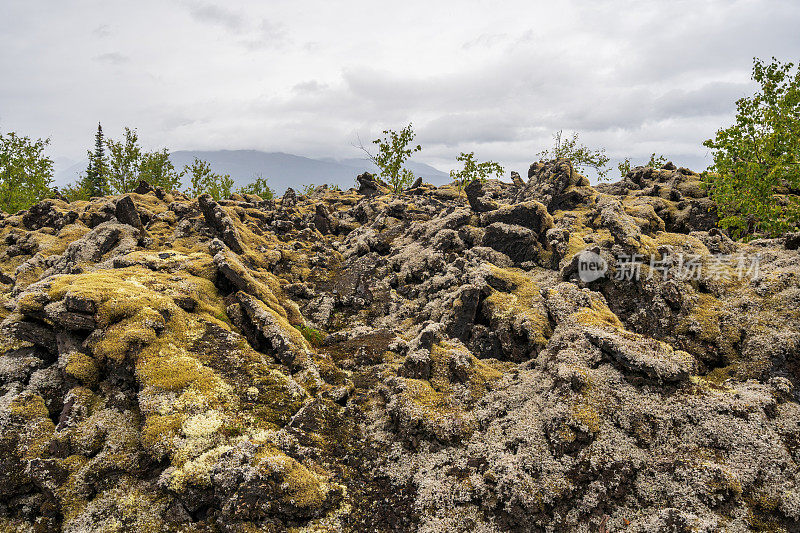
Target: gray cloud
(266, 34)
(102, 31)
(215, 14)
(114, 58)
(633, 77)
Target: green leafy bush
(393, 151)
(116, 167)
(313, 336)
(26, 174)
(128, 164)
(755, 178)
(655, 162)
(259, 187)
(581, 156)
(473, 170)
(203, 180)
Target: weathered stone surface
(219, 220)
(127, 214)
(369, 185)
(475, 196)
(518, 243)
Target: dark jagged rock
(556, 184)
(126, 213)
(289, 199)
(323, 221)
(518, 243)
(143, 188)
(219, 220)
(369, 185)
(475, 196)
(793, 241)
(531, 215)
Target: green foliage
(581, 156)
(120, 171)
(26, 174)
(128, 164)
(393, 152)
(123, 162)
(313, 336)
(308, 190)
(655, 162)
(259, 187)
(157, 170)
(755, 178)
(79, 190)
(95, 181)
(203, 181)
(473, 170)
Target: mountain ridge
(282, 170)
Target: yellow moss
(519, 304)
(580, 225)
(682, 243)
(761, 512)
(704, 318)
(119, 293)
(598, 314)
(159, 430)
(65, 237)
(299, 487)
(82, 367)
(171, 368)
(36, 430)
(31, 303)
(587, 416)
(197, 472)
(435, 407)
(480, 374)
(28, 407)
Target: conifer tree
(95, 181)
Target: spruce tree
(95, 181)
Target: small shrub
(313, 336)
(393, 152)
(204, 181)
(580, 155)
(655, 162)
(755, 177)
(473, 170)
(259, 187)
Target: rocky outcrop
(541, 355)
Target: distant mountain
(281, 170)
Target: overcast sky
(307, 77)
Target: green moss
(160, 429)
(597, 314)
(36, 429)
(519, 304)
(83, 368)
